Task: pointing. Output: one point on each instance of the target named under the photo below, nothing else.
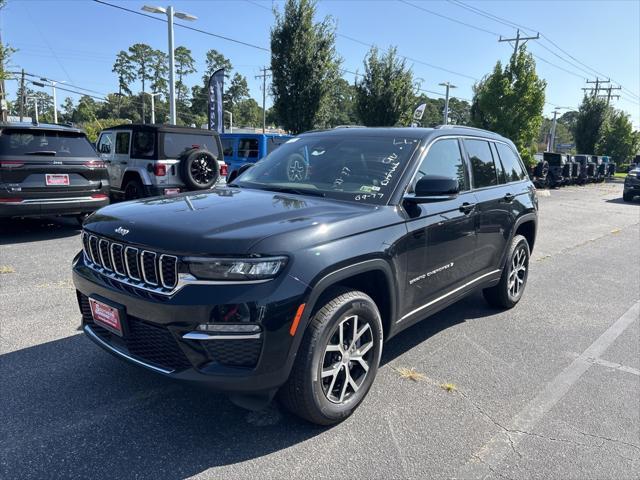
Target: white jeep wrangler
(149, 160)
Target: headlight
(237, 269)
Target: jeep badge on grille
(122, 231)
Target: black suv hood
(230, 221)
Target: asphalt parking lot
(549, 389)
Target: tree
(342, 109)
(67, 110)
(159, 72)
(185, 65)
(509, 101)
(247, 113)
(86, 110)
(215, 61)
(591, 118)
(304, 64)
(142, 56)
(124, 69)
(618, 138)
(386, 92)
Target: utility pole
(518, 39)
(609, 96)
(22, 96)
(446, 101)
(264, 96)
(598, 86)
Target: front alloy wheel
(337, 360)
(347, 359)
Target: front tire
(337, 360)
(508, 292)
(627, 196)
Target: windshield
(175, 144)
(361, 168)
(42, 142)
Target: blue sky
(76, 41)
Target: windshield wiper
(296, 191)
(42, 152)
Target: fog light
(231, 313)
(228, 328)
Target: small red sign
(57, 179)
(106, 316)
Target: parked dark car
(577, 177)
(294, 284)
(555, 176)
(49, 170)
(147, 160)
(587, 168)
(631, 185)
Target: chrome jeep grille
(137, 267)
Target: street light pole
(172, 71)
(446, 100)
(170, 13)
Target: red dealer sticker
(56, 179)
(106, 316)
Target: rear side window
(105, 143)
(144, 144)
(122, 143)
(42, 142)
(248, 148)
(513, 168)
(227, 147)
(444, 159)
(499, 167)
(176, 143)
(482, 166)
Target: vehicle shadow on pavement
(26, 230)
(620, 201)
(469, 308)
(71, 410)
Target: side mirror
(434, 188)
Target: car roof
(40, 126)
(253, 135)
(411, 132)
(161, 128)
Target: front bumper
(156, 326)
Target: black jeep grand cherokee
(292, 277)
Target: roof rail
(462, 126)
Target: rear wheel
(133, 189)
(627, 196)
(337, 360)
(508, 292)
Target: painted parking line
(488, 457)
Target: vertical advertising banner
(216, 89)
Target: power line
(451, 19)
(511, 24)
(159, 19)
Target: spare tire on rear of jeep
(199, 169)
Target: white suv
(149, 160)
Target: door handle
(509, 197)
(123, 163)
(467, 207)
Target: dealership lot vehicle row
(78, 412)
